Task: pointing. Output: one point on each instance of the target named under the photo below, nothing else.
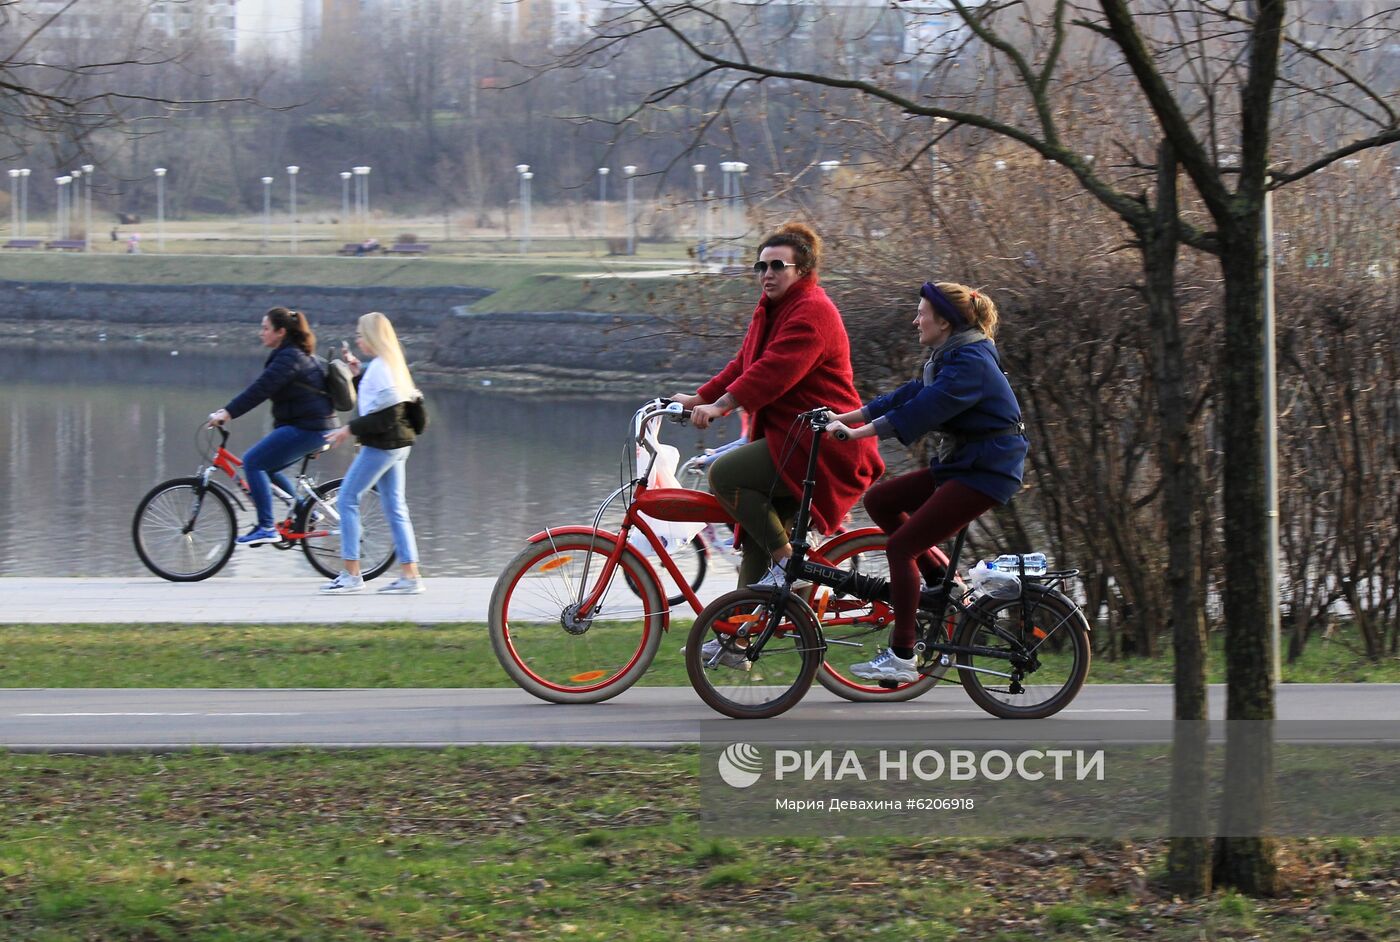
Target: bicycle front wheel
(541, 640)
(1042, 636)
(320, 521)
(857, 630)
(184, 530)
(773, 682)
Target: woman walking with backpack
(302, 413)
(385, 429)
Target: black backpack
(340, 384)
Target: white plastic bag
(671, 533)
(993, 582)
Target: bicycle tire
(777, 679)
(530, 605)
(845, 552)
(176, 539)
(1058, 630)
(377, 552)
(694, 554)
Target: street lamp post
(345, 176)
(72, 211)
(699, 212)
(739, 168)
(933, 155)
(362, 196)
(292, 194)
(24, 200)
(160, 208)
(523, 171)
(631, 173)
(267, 210)
(828, 167)
(87, 208)
(61, 222)
(602, 200)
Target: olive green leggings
(747, 483)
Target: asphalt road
(100, 720)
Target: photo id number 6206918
(941, 804)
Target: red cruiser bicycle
(578, 615)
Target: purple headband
(944, 307)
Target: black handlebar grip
(841, 435)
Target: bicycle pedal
(890, 684)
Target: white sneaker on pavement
(343, 584)
(404, 586)
(887, 666)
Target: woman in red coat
(794, 358)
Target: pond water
(86, 435)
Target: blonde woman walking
(386, 437)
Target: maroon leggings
(918, 514)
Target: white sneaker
(777, 575)
(343, 584)
(887, 666)
(731, 658)
(404, 586)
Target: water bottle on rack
(1035, 563)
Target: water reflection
(86, 435)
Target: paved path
(106, 720)
(246, 601)
(218, 600)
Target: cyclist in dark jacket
(963, 396)
(302, 413)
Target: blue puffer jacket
(292, 403)
(967, 395)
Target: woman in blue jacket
(964, 397)
(302, 413)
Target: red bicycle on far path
(578, 615)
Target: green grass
(558, 281)
(405, 655)
(517, 843)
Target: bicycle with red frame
(579, 614)
(184, 529)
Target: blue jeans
(263, 464)
(384, 471)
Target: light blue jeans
(383, 471)
(263, 463)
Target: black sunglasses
(777, 264)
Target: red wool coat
(795, 357)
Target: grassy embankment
(554, 281)
(516, 843)
(401, 655)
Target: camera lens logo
(740, 765)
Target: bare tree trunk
(1244, 858)
(1188, 856)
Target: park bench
(24, 243)
(353, 248)
(408, 248)
(67, 245)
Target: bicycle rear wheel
(856, 630)
(184, 530)
(542, 643)
(1048, 634)
(691, 558)
(321, 519)
(772, 683)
